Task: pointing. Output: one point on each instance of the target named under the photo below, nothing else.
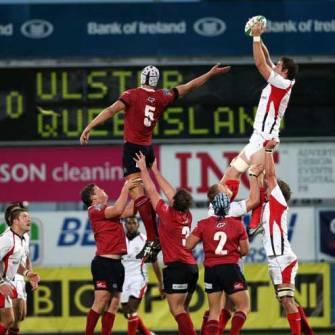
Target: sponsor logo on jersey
(37, 29)
(209, 26)
(238, 286)
(179, 286)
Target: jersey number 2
(185, 232)
(222, 238)
(149, 115)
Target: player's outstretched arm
(106, 114)
(270, 169)
(254, 197)
(159, 276)
(163, 183)
(267, 55)
(259, 57)
(148, 183)
(130, 210)
(199, 81)
(120, 204)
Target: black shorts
(224, 277)
(129, 151)
(180, 278)
(107, 273)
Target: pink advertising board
(59, 173)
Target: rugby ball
(251, 22)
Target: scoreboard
(53, 105)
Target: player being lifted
(283, 263)
(271, 108)
(143, 107)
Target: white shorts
(135, 287)
(283, 269)
(6, 302)
(20, 285)
(256, 143)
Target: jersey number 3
(222, 238)
(149, 115)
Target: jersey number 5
(222, 238)
(149, 115)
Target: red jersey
(221, 239)
(144, 107)
(173, 229)
(108, 233)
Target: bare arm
(120, 204)
(270, 169)
(199, 81)
(106, 114)
(267, 55)
(166, 187)
(159, 276)
(254, 196)
(259, 57)
(148, 183)
(129, 211)
(191, 241)
(244, 247)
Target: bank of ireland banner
(307, 167)
(66, 294)
(59, 173)
(162, 29)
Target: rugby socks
(224, 318)
(233, 185)
(148, 215)
(305, 326)
(204, 322)
(212, 327)
(3, 330)
(294, 320)
(107, 322)
(13, 331)
(185, 324)
(255, 219)
(142, 327)
(132, 324)
(237, 322)
(91, 322)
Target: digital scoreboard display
(46, 105)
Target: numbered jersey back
(143, 109)
(221, 238)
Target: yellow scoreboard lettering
(77, 117)
(46, 85)
(226, 123)
(172, 118)
(14, 104)
(244, 119)
(171, 78)
(192, 126)
(47, 125)
(122, 76)
(99, 86)
(66, 87)
(92, 113)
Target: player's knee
(239, 164)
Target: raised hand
(256, 169)
(140, 161)
(217, 69)
(270, 144)
(84, 137)
(257, 29)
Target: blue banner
(164, 29)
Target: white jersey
(272, 105)
(236, 209)
(12, 251)
(25, 256)
(274, 220)
(133, 267)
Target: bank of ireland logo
(37, 29)
(209, 26)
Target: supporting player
(20, 303)
(12, 250)
(106, 267)
(271, 108)
(283, 263)
(237, 209)
(136, 278)
(143, 107)
(180, 275)
(224, 241)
